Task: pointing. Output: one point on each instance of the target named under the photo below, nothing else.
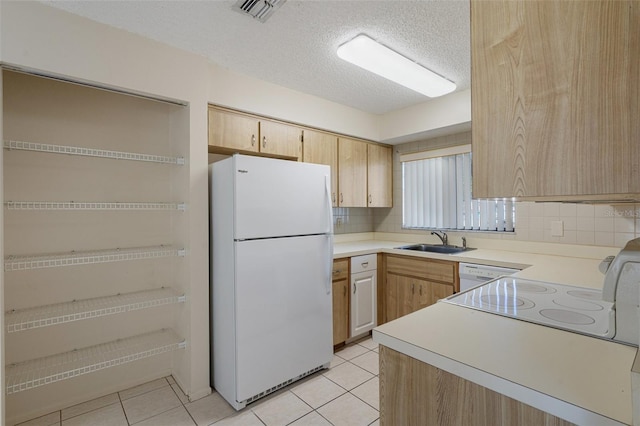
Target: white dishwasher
(363, 294)
(472, 274)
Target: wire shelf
(21, 263)
(77, 310)
(75, 205)
(91, 152)
(42, 371)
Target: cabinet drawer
(340, 269)
(363, 263)
(433, 270)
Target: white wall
(440, 116)
(248, 94)
(445, 115)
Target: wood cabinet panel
(555, 102)
(322, 148)
(231, 130)
(416, 393)
(428, 269)
(352, 173)
(391, 301)
(430, 292)
(340, 311)
(407, 300)
(408, 294)
(340, 288)
(340, 269)
(280, 139)
(361, 172)
(379, 175)
(413, 283)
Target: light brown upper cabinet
(555, 94)
(379, 179)
(280, 139)
(352, 173)
(231, 131)
(322, 148)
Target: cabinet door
(352, 173)
(322, 148)
(230, 130)
(429, 293)
(379, 175)
(407, 295)
(280, 139)
(555, 99)
(364, 312)
(340, 311)
(391, 287)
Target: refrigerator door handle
(328, 282)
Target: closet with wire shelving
(94, 239)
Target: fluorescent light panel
(372, 56)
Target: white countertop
(582, 379)
(557, 268)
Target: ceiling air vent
(258, 9)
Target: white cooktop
(561, 306)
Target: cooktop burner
(562, 306)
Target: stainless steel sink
(436, 248)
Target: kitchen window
(436, 193)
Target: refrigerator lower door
(283, 311)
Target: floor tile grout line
(184, 405)
(147, 418)
(356, 396)
(123, 410)
(160, 387)
(304, 402)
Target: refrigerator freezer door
(280, 198)
(283, 311)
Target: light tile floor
(344, 395)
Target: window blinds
(437, 194)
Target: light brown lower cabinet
(413, 393)
(414, 283)
(340, 300)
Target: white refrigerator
(271, 264)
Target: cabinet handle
(333, 197)
(354, 288)
(370, 199)
(341, 198)
(420, 290)
(413, 290)
(264, 141)
(365, 264)
(253, 140)
(336, 271)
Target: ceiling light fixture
(372, 56)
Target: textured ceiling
(296, 47)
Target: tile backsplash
(352, 220)
(610, 225)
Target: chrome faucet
(444, 238)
